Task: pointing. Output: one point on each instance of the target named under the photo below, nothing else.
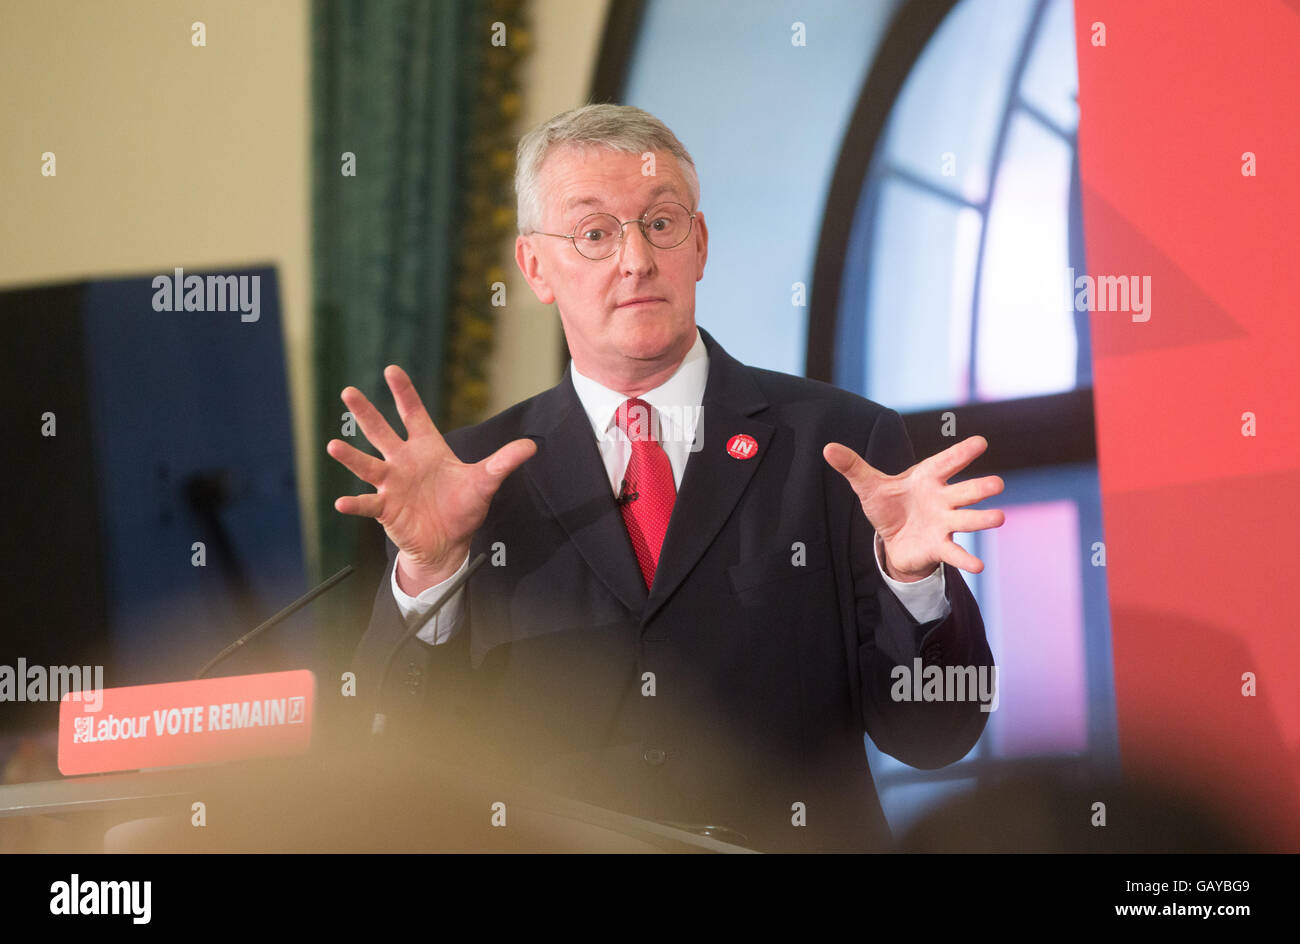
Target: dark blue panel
(192, 443)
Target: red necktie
(648, 492)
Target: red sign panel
(198, 722)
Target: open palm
(916, 512)
(428, 501)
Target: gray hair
(616, 127)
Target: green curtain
(421, 98)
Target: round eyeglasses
(599, 236)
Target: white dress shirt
(677, 401)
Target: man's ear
(530, 264)
(701, 245)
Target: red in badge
(741, 446)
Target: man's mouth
(641, 301)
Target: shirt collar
(682, 391)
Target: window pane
(920, 299)
(1025, 343)
(1032, 603)
(955, 96)
(1051, 81)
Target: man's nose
(636, 255)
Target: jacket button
(413, 675)
(654, 757)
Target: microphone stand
(284, 614)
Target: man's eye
(593, 235)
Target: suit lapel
(570, 475)
(714, 479)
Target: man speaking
(704, 577)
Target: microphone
(284, 614)
(626, 495)
(379, 722)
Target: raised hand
(428, 501)
(916, 512)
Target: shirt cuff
(442, 627)
(926, 599)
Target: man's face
(614, 332)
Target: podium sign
(175, 723)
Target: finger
(409, 405)
(958, 556)
(973, 490)
(372, 423)
(369, 506)
(977, 520)
(852, 466)
(955, 458)
(363, 466)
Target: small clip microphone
(626, 495)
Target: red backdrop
(1202, 522)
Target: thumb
(848, 463)
(509, 457)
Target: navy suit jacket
(736, 691)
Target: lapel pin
(741, 446)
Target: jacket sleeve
(418, 686)
(922, 733)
